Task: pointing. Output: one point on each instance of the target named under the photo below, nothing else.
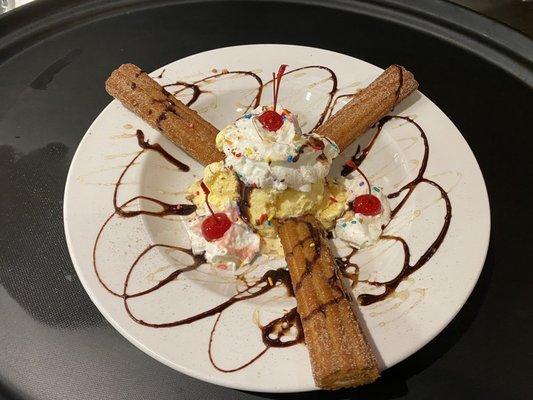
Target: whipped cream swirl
(357, 229)
(238, 246)
(282, 159)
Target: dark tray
(54, 58)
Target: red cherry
(215, 226)
(367, 204)
(271, 120)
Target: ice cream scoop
(279, 159)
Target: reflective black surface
(515, 13)
(55, 344)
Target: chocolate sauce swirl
(166, 208)
(263, 285)
(243, 202)
(274, 334)
(345, 265)
(286, 330)
(408, 268)
(313, 238)
(331, 94)
(197, 90)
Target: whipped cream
(237, 247)
(357, 229)
(282, 159)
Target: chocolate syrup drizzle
(268, 281)
(197, 90)
(331, 94)
(273, 334)
(315, 241)
(315, 238)
(280, 331)
(166, 208)
(344, 264)
(408, 268)
(243, 202)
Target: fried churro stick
(154, 104)
(340, 355)
(368, 106)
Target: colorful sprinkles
(262, 219)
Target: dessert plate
(226, 347)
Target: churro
(154, 104)
(339, 352)
(368, 106)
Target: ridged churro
(154, 104)
(340, 355)
(368, 106)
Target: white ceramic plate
(423, 304)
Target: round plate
(423, 304)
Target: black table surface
(54, 58)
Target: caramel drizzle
(268, 281)
(280, 327)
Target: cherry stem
(274, 97)
(207, 191)
(365, 178)
(276, 81)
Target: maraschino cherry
(270, 119)
(217, 224)
(367, 204)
